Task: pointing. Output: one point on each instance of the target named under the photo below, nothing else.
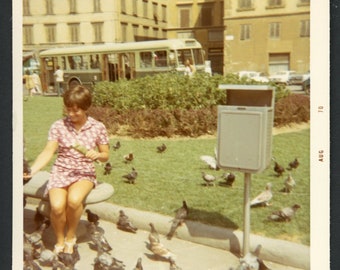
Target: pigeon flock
(35, 251)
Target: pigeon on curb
(131, 176)
(285, 214)
(116, 146)
(229, 179)
(294, 164)
(289, 184)
(161, 148)
(92, 217)
(125, 224)
(264, 197)
(209, 179)
(180, 216)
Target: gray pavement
(128, 247)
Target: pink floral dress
(71, 165)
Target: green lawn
(164, 180)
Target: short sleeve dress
(70, 165)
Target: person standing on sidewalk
(73, 173)
(59, 79)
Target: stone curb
(274, 250)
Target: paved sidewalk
(128, 247)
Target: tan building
(59, 23)
(202, 20)
(267, 35)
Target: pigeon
(98, 238)
(139, 265)
(211, 161)
(181, 215)
(131, 176)
(294, 164)
(160, 250)
(48, 257)
(38, 219)
(173, 265)
(289, 184)
(264, 197)
(92, 217)
(209, 179)
(285, 214)
(29, 263)
(128, 158)
(161, 148)
(107, 168)
(36, 236)
(70, 259)
(116, 146)
(229, 179)
(278, 169)
(153, 235)
(105, 261)
(125, 224)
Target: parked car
(287, 77)
(254, 75)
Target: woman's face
(76, 114)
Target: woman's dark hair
(78, 96)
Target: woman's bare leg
(76, 195)
(58, 198)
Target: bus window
(183, 55)
(71, 62)
(94, 62)
(198, 56)
(145, 59)
(160, 58)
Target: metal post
(246, 219)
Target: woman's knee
(57, 208)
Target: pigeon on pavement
(36, 236)
(173, 265)
(209, 179)
(289, 184)
(131, 176)
(139, 265)
(153, 235)
(70, 259)
(125, 224)
(180, 216)
(264, 197)
(98, 238)
(285, 214)
(92, 217)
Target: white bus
(89, 64)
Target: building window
(26, 8)
(184, 17)
(206, 15)
(155, 32)
(97, 30)
(49, 7)
(73, 6)
(145, 8)
(123, 6)
(245, 32)
(305, 28)
(134, 7)
(188, 34)
(164, 33)
(215, 35)
(135, 30)
(274, 3)
(74, 32)
(27, 32)
(146, 31)
(164, 18)
(245, 4)
(124, 29)
(155, 12)
(50, 33)
(96, 6)
(274, 30)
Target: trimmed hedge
(170, 104)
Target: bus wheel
(73, 84)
